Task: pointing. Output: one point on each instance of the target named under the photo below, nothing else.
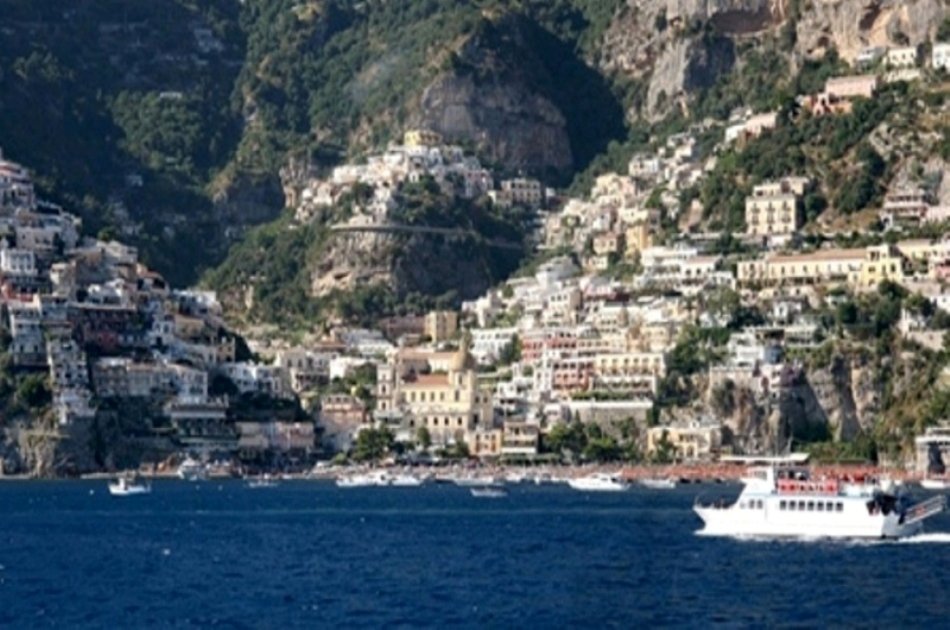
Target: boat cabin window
(839, 506)
(801, 506)
(821, 506)
(781, 505)
(811, 506)
(759, 504)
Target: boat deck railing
(924, 509)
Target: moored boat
(658, 483)
(405, 481)
(598, 482)
(192, 470)
(129, 485)
(488, 492)
(788, 501)
(477, 480)
(262, 481)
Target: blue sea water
(310, 555)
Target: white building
(940, 58)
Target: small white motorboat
(192, 470)
(477, 480)
(488, 492)
(128, 485)
(263, 481)
(598, 482)
(658, 483)
(405, 481)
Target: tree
(34, 391)
(563, 437)
(373, 444)
(664, 450)
(723, 398)
(943, 32)
(423, 439)
(511, 352)
(602, 449)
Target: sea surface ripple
(308, 554)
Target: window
(759, 504)
(820, 506)
(839, 506)
(811, 506)
(781, 505)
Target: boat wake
(936, 538)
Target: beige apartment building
(441, 325)
(773, 209)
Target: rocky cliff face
(505, 121)
(677, 46)
(851, 25)
(523, 99)
(841, 401)
(409, 263)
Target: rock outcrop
(427, 264)
(678, 46)
(505, 121)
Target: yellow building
(421, 138)
(823, 266)
(637, 238)
(441, 325)
(449, 404)
(630, 363)
(881, 263)
(485, 442)
(687, 441)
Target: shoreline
(708, 472)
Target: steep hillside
(168, 122)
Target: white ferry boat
(598, 482)
(780, 501)
(128, 485)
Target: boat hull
(758, 523)
(128, 492)
(596, 486)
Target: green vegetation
(590, 443)
(373, 444)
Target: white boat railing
(924, 509)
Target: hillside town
(592, 332)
